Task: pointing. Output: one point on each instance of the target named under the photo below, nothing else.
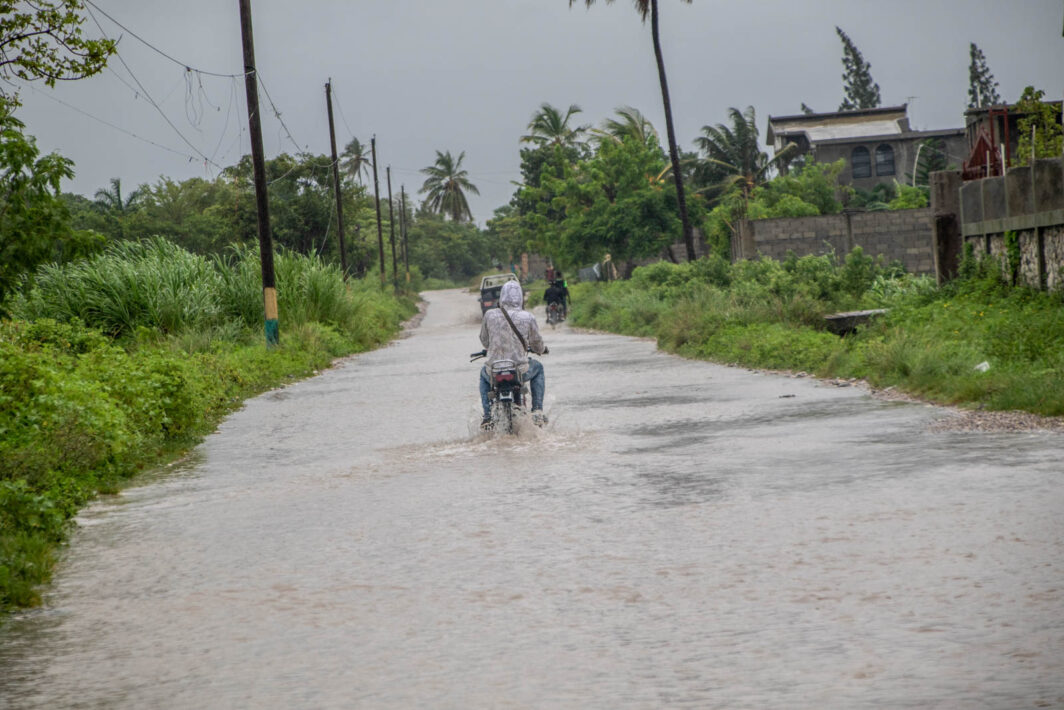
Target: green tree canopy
(447, 185)
(733, 155)
(1039, 127)
(616, 203)
(43, 39)
(550, 126)
(34, 222)
(859, 91)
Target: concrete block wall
(902, 235)
(1028, 201)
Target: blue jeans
(537, 382)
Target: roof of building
(907, 135)
(819, 127)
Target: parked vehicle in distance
(490, 286)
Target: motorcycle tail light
(504, 377)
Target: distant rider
(502, 343)
(557, 293)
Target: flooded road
(680, 535)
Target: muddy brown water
(680, 535)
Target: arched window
(884, 160)
(861, 162)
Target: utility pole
(269, 288)
(336, 180)
(391, 227)
(377, 201)
(402, 229)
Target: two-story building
(877, 144)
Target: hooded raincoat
(498, 337)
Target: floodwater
(680, 535)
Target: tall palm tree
(447, 185)
(549, 127)
(649, 8)
(630, 122)
(111, 199)
(733, 155)
(355, 160)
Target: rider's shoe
(539, 418)
(486, 424)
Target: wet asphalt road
(680, 535)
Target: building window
(884, 160)
(861, 162)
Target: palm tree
(549, 127)
(631, 123)
(354, 160)
(446, 187)
(649, 8)
(733, 154)
(111, 200)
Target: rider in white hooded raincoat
(499, 339)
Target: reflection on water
(679, 536)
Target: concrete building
(877, 144)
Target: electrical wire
(153, 47)
(150, 99)
(276, 113)
(111, 125)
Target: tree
(649, 8)
(111, 200)
(859, 89)
(615, 203)
(549, 126)
(1039, 127)
(447, 185)
(982, 89)
(355, 160)
(630, 122)
(34, 221)
(734, 156)
(42, 39)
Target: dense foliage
(1039, 128)
(35, 225)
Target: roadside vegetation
(119, 362)
(975, 342)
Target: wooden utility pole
(336, 180)
(269, 288)
(391, 227)
(377, 201)
(402, 229)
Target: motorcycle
(555, 314)
(508, 392)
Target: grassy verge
(770, 314)
(117, 364)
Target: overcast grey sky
(467, 75)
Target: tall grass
(159, 287)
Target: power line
(153, 47)
(151, 100)
(276, 113)
(111, 125)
